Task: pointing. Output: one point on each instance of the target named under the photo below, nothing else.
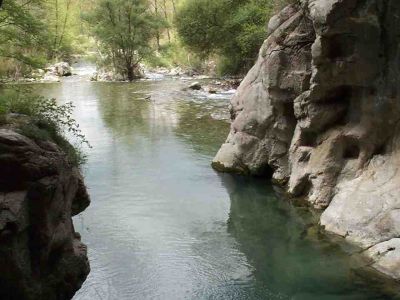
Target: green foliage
(21, 31)
(200, 24)
(174, 55)
(124, 29)
(47, 120)
(64, 28)
(232, 29)
(34, 32)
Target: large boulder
(41, 255)
(62, 69)
(54, 72)
(320, 111)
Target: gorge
(301, 202)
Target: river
(164, 225)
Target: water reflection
(290, 257)
(164, 225)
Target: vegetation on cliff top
(42, 119)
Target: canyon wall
(320, 113)
(41, 256)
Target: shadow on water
(286, 249)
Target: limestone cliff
(41, 256)
(320, 111)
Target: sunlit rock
(320, 111)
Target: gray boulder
(62, 69)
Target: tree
(124, 29)
(20, 30)
(232, 29)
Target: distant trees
(232, 29)
(58, 17)
(33, 32)
(124, 29)
(20, 31)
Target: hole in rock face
(351, 150)
(340, 46)
(8, 230)
(380, 150)
(340, 94)
(308, 139)
(304, 188)
(265, 171)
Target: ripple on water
(164, 225)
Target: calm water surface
(164, 225)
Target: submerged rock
(320, 111)
(41, 255)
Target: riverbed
(164, 225)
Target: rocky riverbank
(52, 73)
(320, 112)
(42, 256)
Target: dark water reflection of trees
(287, 251)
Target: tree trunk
(65, 24)
(166, 19)
(158, 31)
(174, 7)
(131, 72)
(55, 49)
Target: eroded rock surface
(320, 111)
(41, 256)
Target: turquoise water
(164, 225)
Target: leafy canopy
(124, 29)
(47, 119)
(232, 29)
(20, 30)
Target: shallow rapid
(164, 225)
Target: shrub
(48, 120)
(174, 55)
(232, 29)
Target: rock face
(320, 112)
(41, 256)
